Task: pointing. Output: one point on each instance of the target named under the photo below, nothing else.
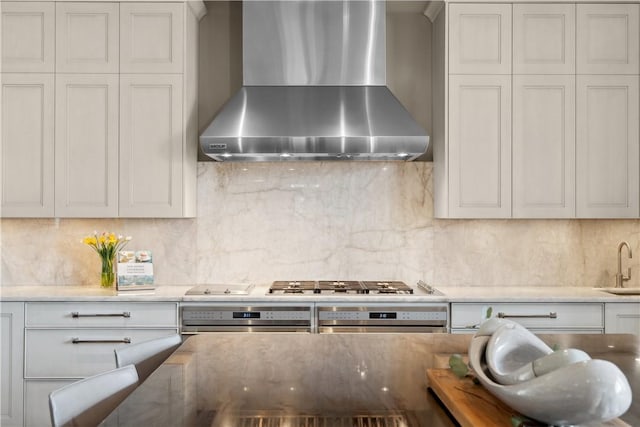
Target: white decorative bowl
(558, 388)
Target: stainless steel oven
(380, 317)
(215, 317)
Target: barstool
(147, 355)
(89, 401)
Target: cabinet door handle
(76, 314)
(124, 340)
(551, 315)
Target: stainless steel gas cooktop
(341, 287)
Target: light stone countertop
(259, 294)
(540, 294)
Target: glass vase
(108, 276)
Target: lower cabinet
(11, 363)
(66, 341)
(540, 318)
(37, 400)
(622, 318)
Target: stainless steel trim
(377, 323)
(218, 318)
(76, 314)
(377, 307)
(551, 315)
(188, 330)
(409, 318)
(76, 340)
(381, 329)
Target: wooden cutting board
(472, 405)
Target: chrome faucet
(621, 278)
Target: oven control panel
(383, 318)
(243, 313)
(198, 318)
(381, 314)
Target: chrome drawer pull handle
(75, 314)
(79, 341)
(551, 315)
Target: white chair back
(147, 355)
(88, 402)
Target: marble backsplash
(261, 222)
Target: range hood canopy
(314, 88)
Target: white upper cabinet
(559, 137)
(544, 39)
(607, 147)
(27, 144)
(480, 39)
(151, 37)
(608, 38)
(151, 155)
(87, 37)
(28, 36)
(86, 160)
(480, 146)
(543, 146)
(99, 108)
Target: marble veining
(325, 220)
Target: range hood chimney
(314, 88)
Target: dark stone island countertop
(288, 379)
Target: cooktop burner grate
(339, 287)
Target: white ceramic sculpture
(559, 388)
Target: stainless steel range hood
(314, 76)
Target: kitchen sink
(621, 291)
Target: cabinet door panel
(480, 146)
(36, 397)
(151, 37)
(86, 145)
(11, 362)
(27, 145)
(87, 37)
(622, 318)
(480, 39)
(607, 38)
(151, 146)
(543, 39)
(28, 34)
(607, 146)
(544, 146)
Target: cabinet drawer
(532, 315)
(52, 353)
(101, 314)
